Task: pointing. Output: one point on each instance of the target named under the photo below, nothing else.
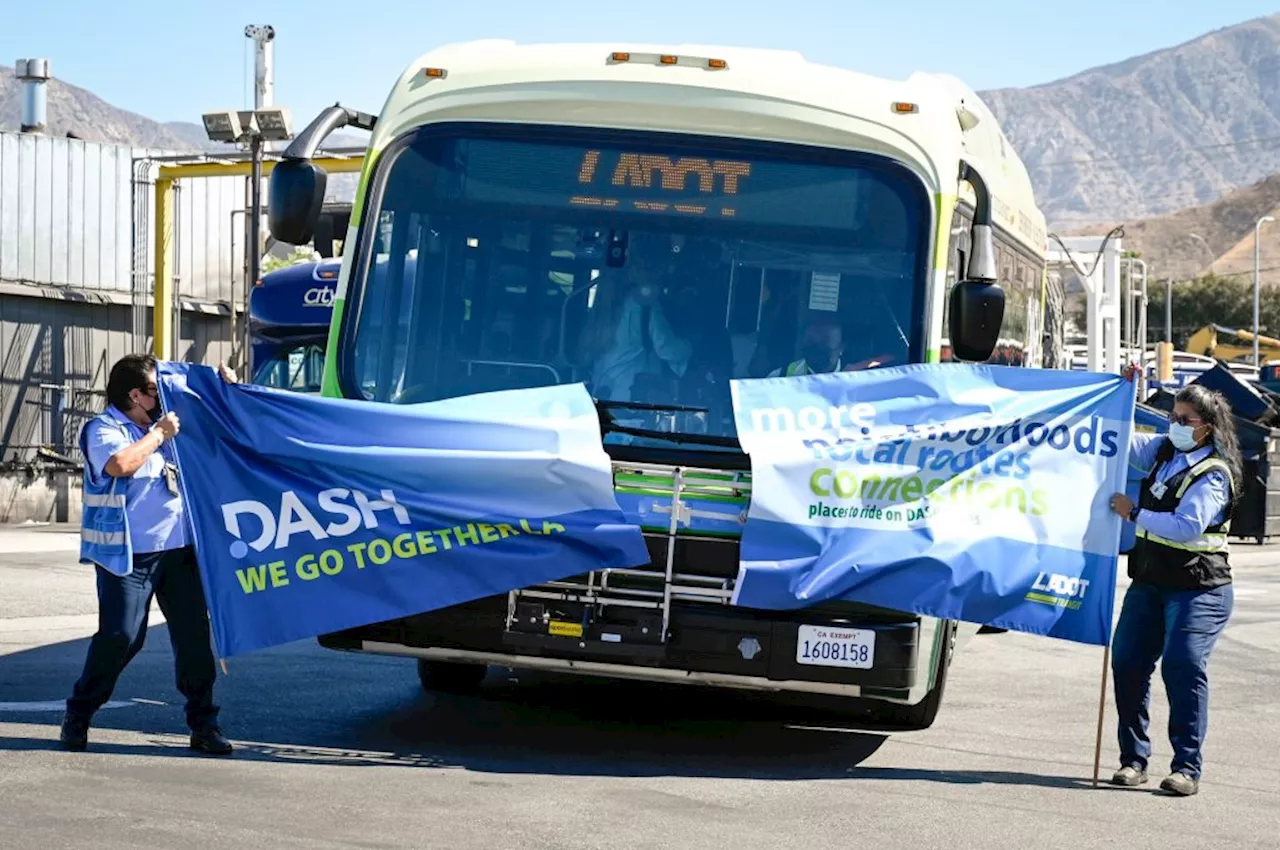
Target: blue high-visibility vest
(104, 523)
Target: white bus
(524, 211)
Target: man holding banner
(134, 529)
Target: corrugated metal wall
(62, 222)
(76, 276)
(56, 356)
(67, 219)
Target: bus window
(651, 273)
(299, 369)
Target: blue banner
(972, 493)
(313, 515)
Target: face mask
(155, 413)
(1183, 437)
(819, 358)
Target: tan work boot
(1180, 784)
(1129, 777)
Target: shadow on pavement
(975, 777)
(303, 704)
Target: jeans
(123, 601)
(1182, 626)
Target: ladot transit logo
(1058, 590)
(256, 527)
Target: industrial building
(78, 262)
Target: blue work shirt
(1204, 503)
(157, 521)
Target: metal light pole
(1257, 228)
(1137, 314)
(1168, 310)
(263, 94)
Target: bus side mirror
(295, 199)
(976, 313)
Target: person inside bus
(1180, 595)
(821, 349)
(627, 334)
(873, 335)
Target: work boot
(1129, 776)
(1180, 784)
(75, 733)
(210, 740)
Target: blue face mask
(1183, 437)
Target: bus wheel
(922, 714)
(449, 677)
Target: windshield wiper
(609, 425)
(637, 405)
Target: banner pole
(1102, 705)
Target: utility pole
(264, 88)
(1257, 286)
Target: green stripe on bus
(329, 384)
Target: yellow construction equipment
(1230, 344)
(1164, 360)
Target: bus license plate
(828, 646)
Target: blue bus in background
(289, 312)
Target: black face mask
(155, 414)
(819, 358)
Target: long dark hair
(1213, 409)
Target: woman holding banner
(134, 530)
(1181, 595)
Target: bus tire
(450, 677)
(922, 714)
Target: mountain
(76, 110)
(1153, 134)
(73, 109)
(1157, 133)
(1216, 237)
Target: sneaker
(75, 733)
(1129, 777)
(1180, 784)
(211, 740)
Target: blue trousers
(123, 601)
(1181, 627)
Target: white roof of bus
(770, 95)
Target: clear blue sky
(173, 60)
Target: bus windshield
(299, 368)
(651, 268)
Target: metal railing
(655, 589)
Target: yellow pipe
(162, 312)
(334, 165)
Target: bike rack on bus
(656, 589)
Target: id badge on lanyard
(170, 475)
(1159, 489)
(171, 479)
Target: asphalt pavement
(342, 751)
